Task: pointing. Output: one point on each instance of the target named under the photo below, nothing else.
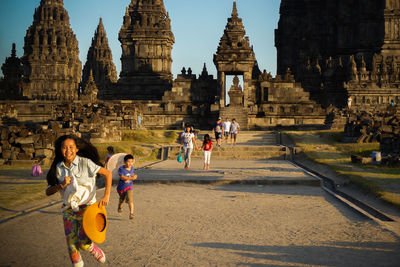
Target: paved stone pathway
(214, 225)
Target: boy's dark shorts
(226, 134)
(218, 135)
(127, 196)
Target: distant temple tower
(339, 49)
(11, 86)
(100, 63)
(52, 69)
(146, 39)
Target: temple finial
(13, 51)
(234, 10)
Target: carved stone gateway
(52, 69)
(235, 56)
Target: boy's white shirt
(227, 126)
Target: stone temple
(344, 48)
(328, 51)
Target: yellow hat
(95, 223)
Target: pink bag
(36, 171)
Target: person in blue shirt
(125, 184)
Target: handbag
(36, 171)
(179, 158)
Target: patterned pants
(76, 237)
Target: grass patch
(16, 194)
(143, 145)
(150, 137)
(325, 147)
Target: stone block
(48, 153)
(28, 148)
(24, 140)
(6, 154)
(6, 145)
(4, 134)
(14, 155)
(23, 162)
(55, 125)
(24, 133)
(2, 162)
(25, 156)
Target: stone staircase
(237, 113)
(251, 145)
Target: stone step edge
(306, 182)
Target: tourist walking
(226, 127)
(235, 128)
(73, 174)
(188, 140)
(110, 153)
(207, 148)
(125, 184)
(218, 131)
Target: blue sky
(197, 25)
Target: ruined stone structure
(99, 63)
(52, 69)
(11, 85)
(33, 141)
(146, 81)
(146, 40)
(382, 125)
(342, 48)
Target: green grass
(12, 195)
(150, 137)
(325, 147)
(143, 145)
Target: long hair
(86, 150)
(207, 139)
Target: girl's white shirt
(82, 189)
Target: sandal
(131, 216)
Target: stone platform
(226, 172)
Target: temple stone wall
(340, 49)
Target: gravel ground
(204, 225)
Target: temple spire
(235, 13)
(51, 55)
(99, 63)
(147, 40)
(13, 51)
